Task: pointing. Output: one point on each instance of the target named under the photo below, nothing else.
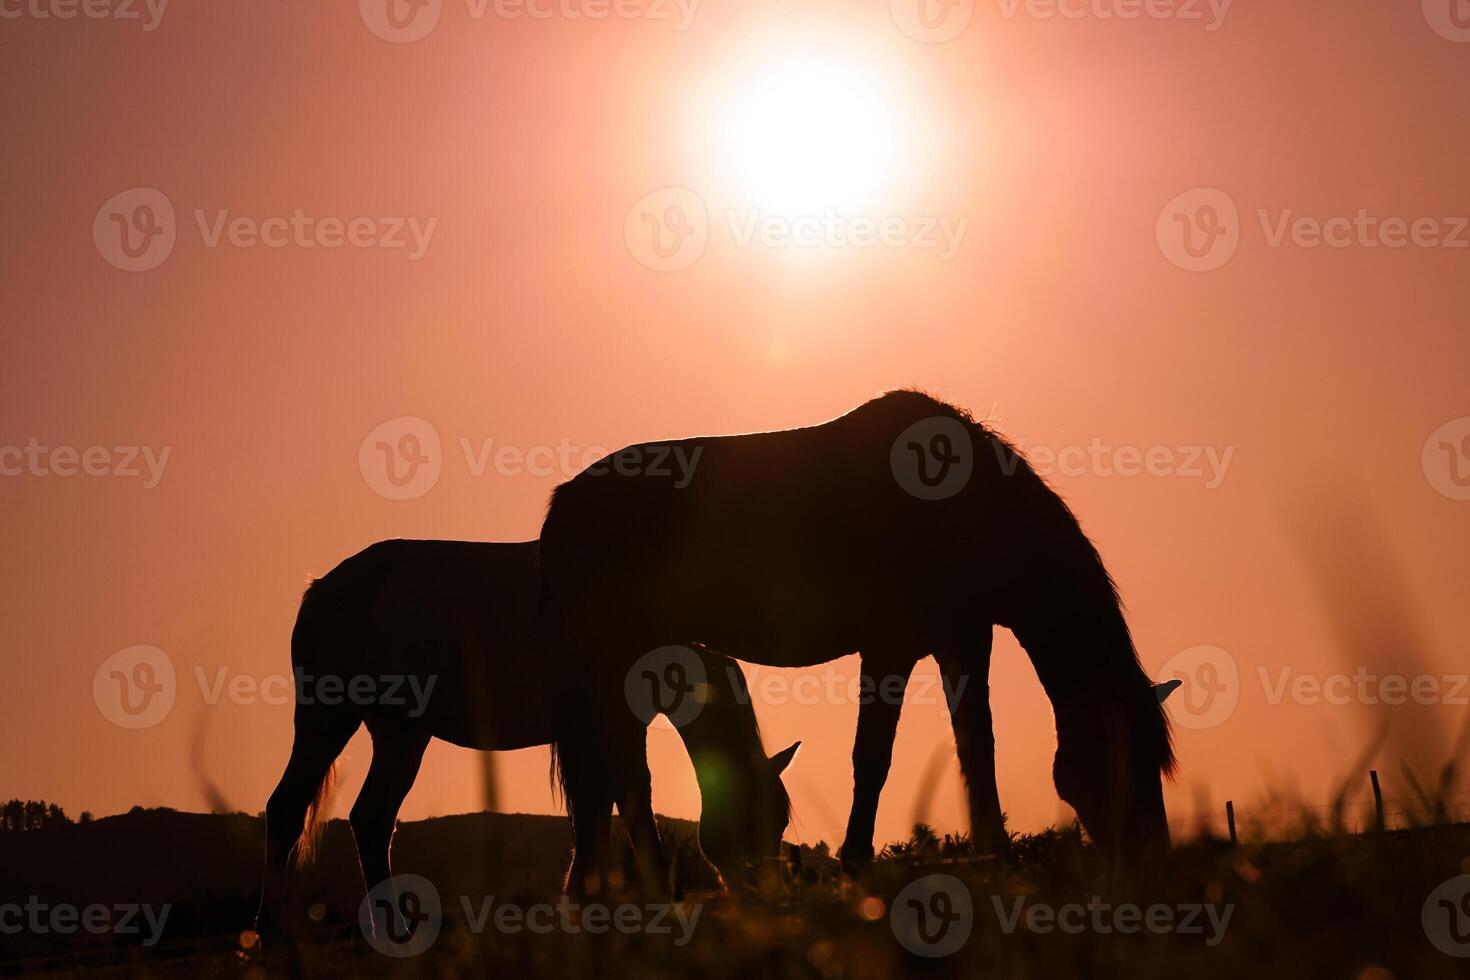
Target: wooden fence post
(1377, 801)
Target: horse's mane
(1058, 521)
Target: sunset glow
(288, 280)
(806, 133)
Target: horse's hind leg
(589, 798)
(967, 688)
(872, 752)
(320, 737)
(398, 751)
(636, 806)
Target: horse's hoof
(855, 863)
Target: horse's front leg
(966, 678)
(881, 701)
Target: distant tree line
(20, 815)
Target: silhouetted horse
(902, 529)
(437, 640)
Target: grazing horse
(902, 529)
(436, 639)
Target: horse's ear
(782, 759)
(1167, 688)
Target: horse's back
(457, 615)
(779, 547)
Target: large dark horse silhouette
(442, 635)
(902, 529)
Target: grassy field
(1345, 905)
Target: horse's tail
(573, 756)
(549, 639)
(305, 652)
(558, 778)
(312, 832)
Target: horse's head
(1112, 755)
(746, 826)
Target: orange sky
(529, 320)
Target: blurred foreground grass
(1324, 905)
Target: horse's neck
(724, 745)
(1079, 643)
(720, 735)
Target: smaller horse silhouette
(436, 639)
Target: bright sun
(805, 135)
